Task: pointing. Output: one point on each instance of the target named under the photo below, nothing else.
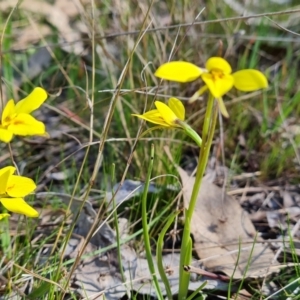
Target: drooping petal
(33, 101)
(249, 80)
(222, 108)
(4, 216)
(24, 124)
(19, 186)
(8, 112)
(177, 107)
(5, 173)
(166, 113)
(179, 71)
(218, 63)
(218, 86)
(153, 116)
(19, 206)
(197, 94)
(5, 135)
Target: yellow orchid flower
(165, 115)
(16, 118)
(12, 190)
(217, 76)
(170, 116)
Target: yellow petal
(166, 113)
(33, 101)
(5, 173)
(222, 108)
(4, 216)
(179, 71)
(218, 86)
(5, 135)
(177, 107)
(19, 206)
(249, 80)
(19, 186)
(8, 112)
(24, 124)
(153, 116)
(218, 63)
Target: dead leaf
(223, 233)
(98, 276)
(55, 15)
(288, 200)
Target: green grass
(265, 121)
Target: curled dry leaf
(224, 236)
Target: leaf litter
(225, 239)
(98, 273)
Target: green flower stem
(209, 125)
(118, 236)
(207, 117)
(191, 133)
(159, 254)
(146, 228)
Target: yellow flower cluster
(16, 120)
(217, 76)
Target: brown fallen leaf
(56, 15)
(224, 236)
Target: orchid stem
(146, 227)
(209, 125)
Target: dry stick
(111, 140)
(187, 30)
(127, 165)
(91, 106)
(125, 171)
(244, 18)
(199, 271)
(101, 147)
(283, 28)
(38, 276)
